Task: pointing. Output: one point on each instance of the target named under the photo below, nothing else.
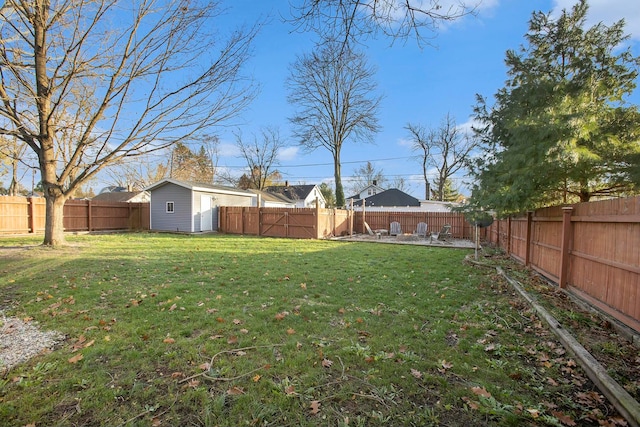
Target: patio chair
(421, 229)
(395, 229)
(445, 234)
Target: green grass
(231, 331)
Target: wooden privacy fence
(591, 249)
(377, 220)
(27, 215)
(301, 223)
(318, 223)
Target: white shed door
(206, 222)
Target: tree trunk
(54, 226)
(337, 176)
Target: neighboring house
(304, 196)
(399, 201)
(191, 207)
(368, 191)
(273, 200)
(123, 196)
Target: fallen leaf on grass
(168, 341)
(75, 359)
(235, 391)
(416, 373)
(290, 390)
(472, 403)
(445, 365)
(173, 307)
(534, 413)
(326, 363)
(480, 391)
(291, 331)
(315, 407)
(564, 419)
(256, 378)
(193, 383)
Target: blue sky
(418, 85)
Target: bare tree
(364, 176)
(422, 141)
(446, 148)
(261, 156)
(334, 91)
(355, 20)
(139, 173)
(11, 152)
(131, 77)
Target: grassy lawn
(231, 331)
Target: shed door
(206, 223)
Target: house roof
(375, 187)
(292, 192)
(117, 196)
(273, 197)
(391, 197)
(196, 186)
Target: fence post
(509, 225)
(30, 215)
(89, 219)
(527, 240)
(351, 218)
(317, 226)
(566, 241)
(364, 217)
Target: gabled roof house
(304, 196)
(368, 191)
(389, 198)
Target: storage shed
(191, 207)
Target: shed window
(170, 207)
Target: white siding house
(189, 207)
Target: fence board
(603, 257)
(28, 215)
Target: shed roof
(196, 186)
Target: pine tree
(560, 130)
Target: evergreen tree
(560, 130)
(446, 192)
(327, 193)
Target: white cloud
(405, 142)
(288, 153)
(608, 12)
(228, 150)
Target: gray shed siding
(181, 218)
